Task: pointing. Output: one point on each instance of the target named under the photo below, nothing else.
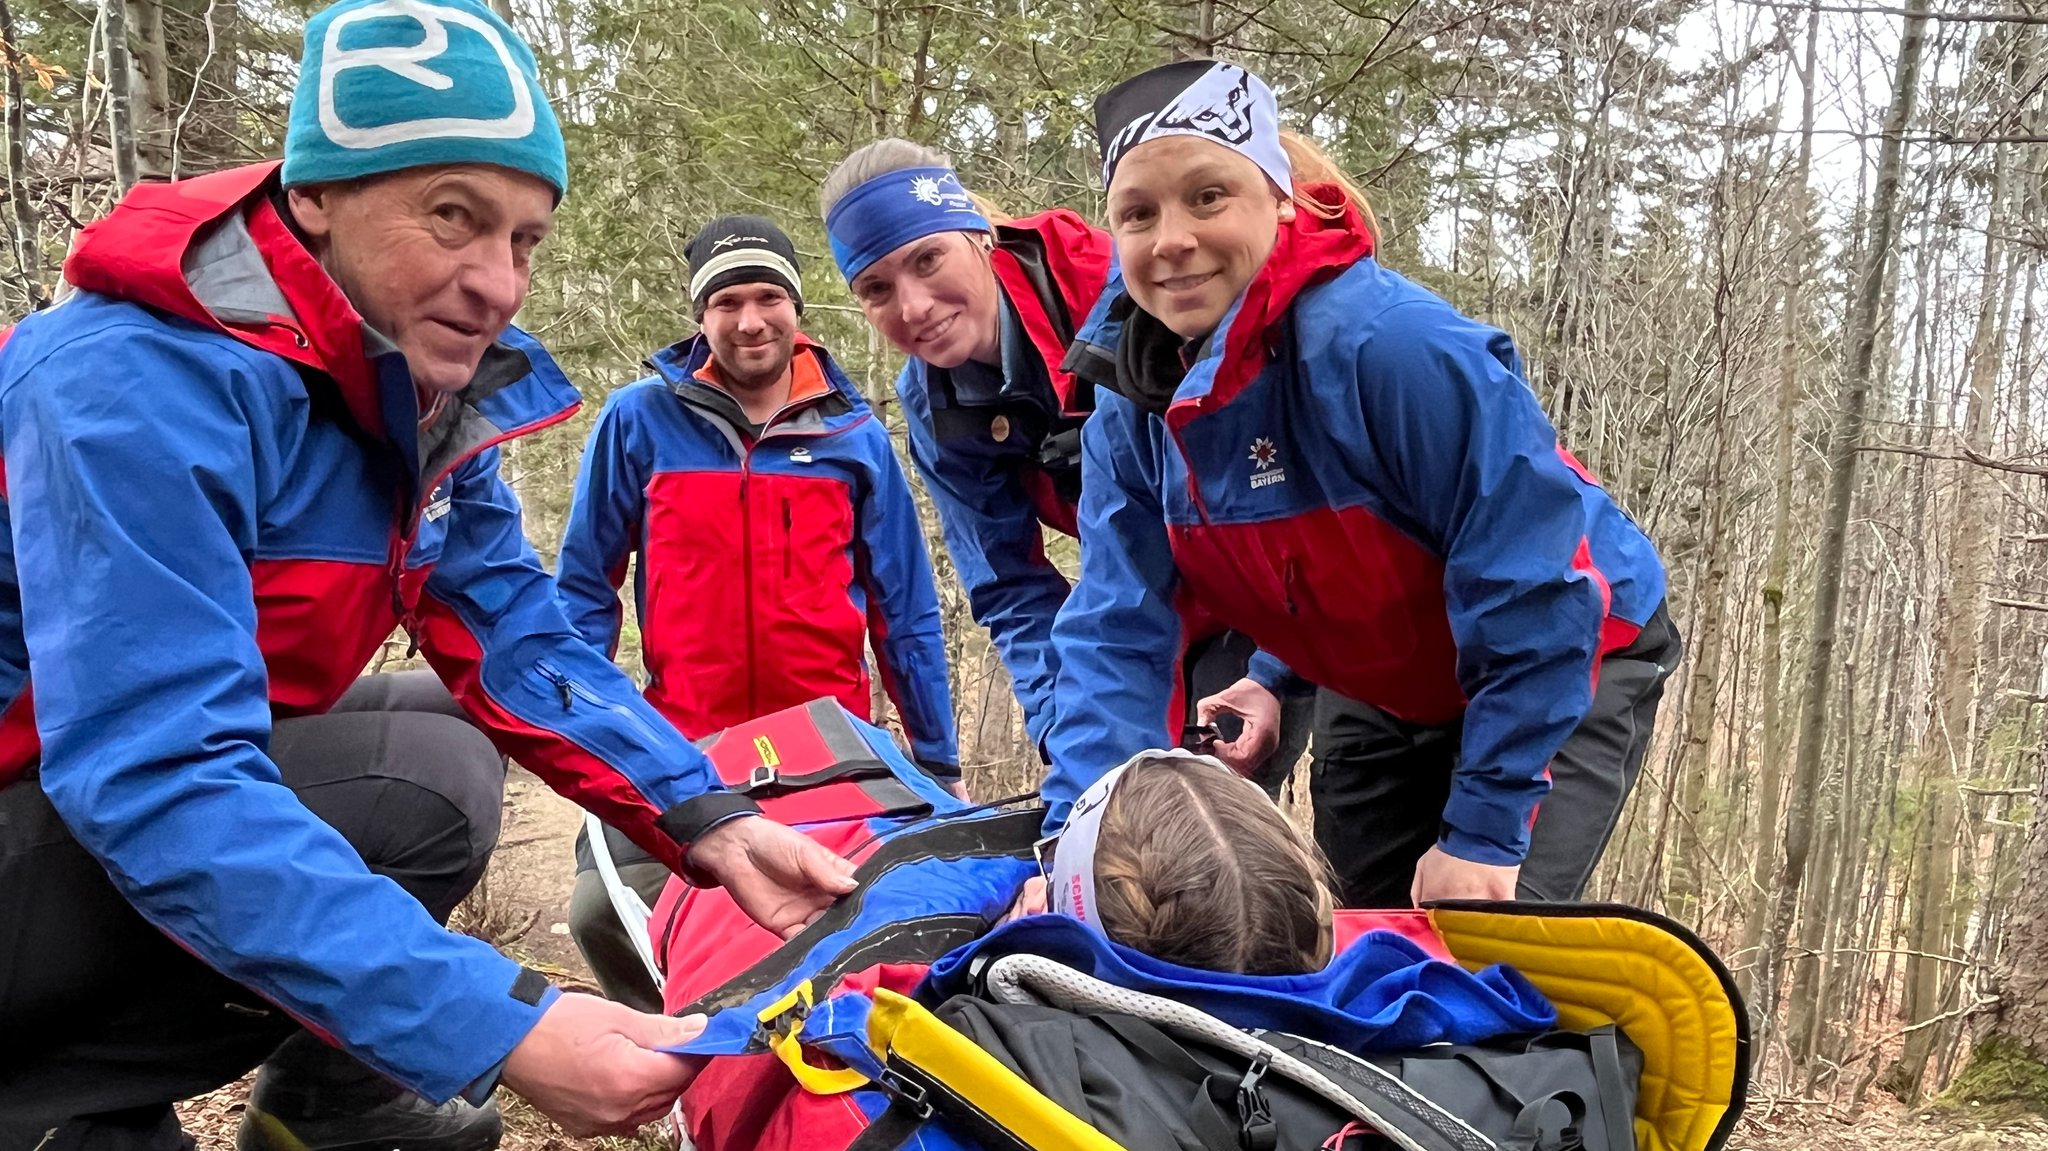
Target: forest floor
(524, 903)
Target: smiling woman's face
(935, 299)
(1194, 222)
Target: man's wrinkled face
(752, 332)
(437, 259)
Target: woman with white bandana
(1327, 457)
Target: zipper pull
(562, 687)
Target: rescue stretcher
(831, 1040)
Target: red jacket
(766, 565)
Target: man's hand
(1260, 711)
(958, 789)
(591, 1065)
(781, 878)
(1441, 875)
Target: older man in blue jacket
(260, 436)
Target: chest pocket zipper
(788, 540)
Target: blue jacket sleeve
(998, 549)
(903, 610)
(1478, 465)
(1118, 637)
(136, 519)
(493, 629)
(1267, 670)
(604, 527)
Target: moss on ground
(2001, 1077)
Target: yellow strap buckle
(782, 1022)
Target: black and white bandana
(1205, 98)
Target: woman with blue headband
(1333, 460)
(995, 393)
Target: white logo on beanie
(408, 61)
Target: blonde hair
(1312, 165)
(891, 154)
(1194, 868)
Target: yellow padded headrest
(1606, 963)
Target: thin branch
(1894, 13)
(1964, 454)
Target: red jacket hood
(215, 250)
(1309, 250)
(1076, 257)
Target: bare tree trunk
(120, 94)
(150, 56)
(1949, 756)
(203, 134)
(27, 253)
(1688, 882)
(1844, 443)
(1771, 780)
(2012, 1056)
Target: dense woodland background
(1774, 267)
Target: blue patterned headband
(895, 208)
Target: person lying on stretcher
(1176, 855)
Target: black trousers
(1380, 785)
(104, 1022)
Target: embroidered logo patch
(444, 498)
(1266, 467)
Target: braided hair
(1190, 870)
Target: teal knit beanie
(392, 84)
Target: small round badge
(1000, 428)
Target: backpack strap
(893, 1129)
(876, 778)
(1208, 1122)
(1551, 1123)
(1615, 1104)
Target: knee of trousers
(455, 762)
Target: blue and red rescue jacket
(218, 507)
(764, 563)
(986, 461)
(1358, 477)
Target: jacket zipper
(747, 565)
(788, 540)
(1244, 582)
(403, 540)
(1194, 488)
(401, 547)
(569, 691)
